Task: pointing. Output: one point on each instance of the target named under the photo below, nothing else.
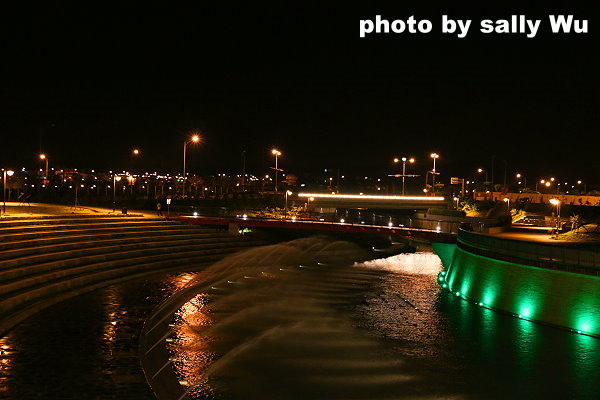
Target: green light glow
(560, 298)
(527, 310)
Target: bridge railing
(553, 252)
(398, 222)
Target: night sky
(99, 82)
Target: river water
(375, 330)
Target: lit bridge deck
(425, 234)
(371, 201)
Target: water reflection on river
(377, 330)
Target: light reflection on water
(6, 363)
(379, 329)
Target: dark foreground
(87, 347)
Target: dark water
(378, 331)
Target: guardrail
(551, 252)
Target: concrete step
(9, 269)
(87, 225)
(96, 230)
(76, 244)
(60, 221)
(73, 237)
(40, 286)
(44, 260)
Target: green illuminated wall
(561, 298)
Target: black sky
(297, 76)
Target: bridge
(438, 235)
(324, 200)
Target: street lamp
(435, 156)
(276, 153)
(287, 193)
(519, 176)
(507, 201)
(134, 153)
(556, 202)
(193, 139)
(308, 203)
(480, 171)
(45, 158)
(115, 180)
(9, 173)
(404, 160)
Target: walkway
(14, 209)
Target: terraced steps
(44, 260)
(117, 235)
(34, 232)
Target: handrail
(549, 252)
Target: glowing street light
(507, 201)
(276, 153)
(556, 202)
(6, 173)
(287, 193)
(404, 160)
(43, 157)
(135, 152)
(481, 171)
(308, 200)
(192, 139)
(435, 156)
(115, 180)
(519, 176)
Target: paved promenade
(14, 209)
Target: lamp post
(519, 176)
(507, 201)
(115, 180)
(193, 139)
(276, 153)
(556, 202)
(435, 156)
(404, 160)
(542, 181)
(134, 153)
(287, 193)
(9, 173)
(308, 203)
(45, 158)
(480, 171)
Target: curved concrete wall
(555, 297)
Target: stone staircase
(48, 259)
